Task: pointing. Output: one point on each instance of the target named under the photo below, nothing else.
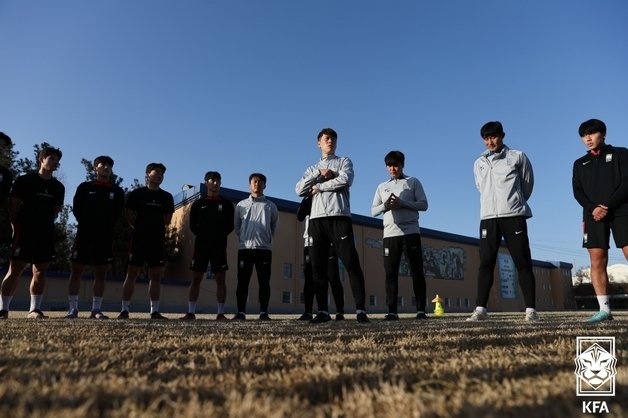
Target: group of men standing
(503, 176)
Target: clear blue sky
(244, 86)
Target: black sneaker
(123, 315)
(239, 317)
(264, 317)
(340, 317)
(157, 315)
(305, 317)
(72, 314)
(4, 314)
(391, 317)
(421, 316)
(362, 318)
(320, 318)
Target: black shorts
(597, 234)
(92, 249)
(147, 250)
(212, 254)
(32, 247)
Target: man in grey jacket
(330, 223)
(255, 222)
(400, 199)
(505, 180)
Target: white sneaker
(478, 316)
(36, 314)
(532, 316)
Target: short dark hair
(592, 126)
(395, 158)
(6, 138)
(327, 131)
(103, 159)
(212, 175)
(48, 151)
(153, 166)
(259, 176)
(493, 128)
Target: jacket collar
(499, 154)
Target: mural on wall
(444, 263)
(438, 263)
(507, 276)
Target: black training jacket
(602, 180)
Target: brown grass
(440, 368)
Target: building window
(372, 300)
(466, 302)
(399, 300)
(286, 297)
(414, 301)
(302, 298)
(287, 270)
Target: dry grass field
(438, 368)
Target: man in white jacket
(505, 180)
(400, 199)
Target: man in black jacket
(97, 205)
(600, 185)
(6, 181)
(149, 211)
(211, 221)
(35, 201)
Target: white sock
(191, 307)
(125, 305)
(221, 308)
(36, 302)
(530, 310)
(481, 309)
(154, 306)
(5, 302)
(73, 300)
(358, 311)
(604, 302)
(97, 303)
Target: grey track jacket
(255, 221)
(405, 219)
(333, 196)
(505, 181)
